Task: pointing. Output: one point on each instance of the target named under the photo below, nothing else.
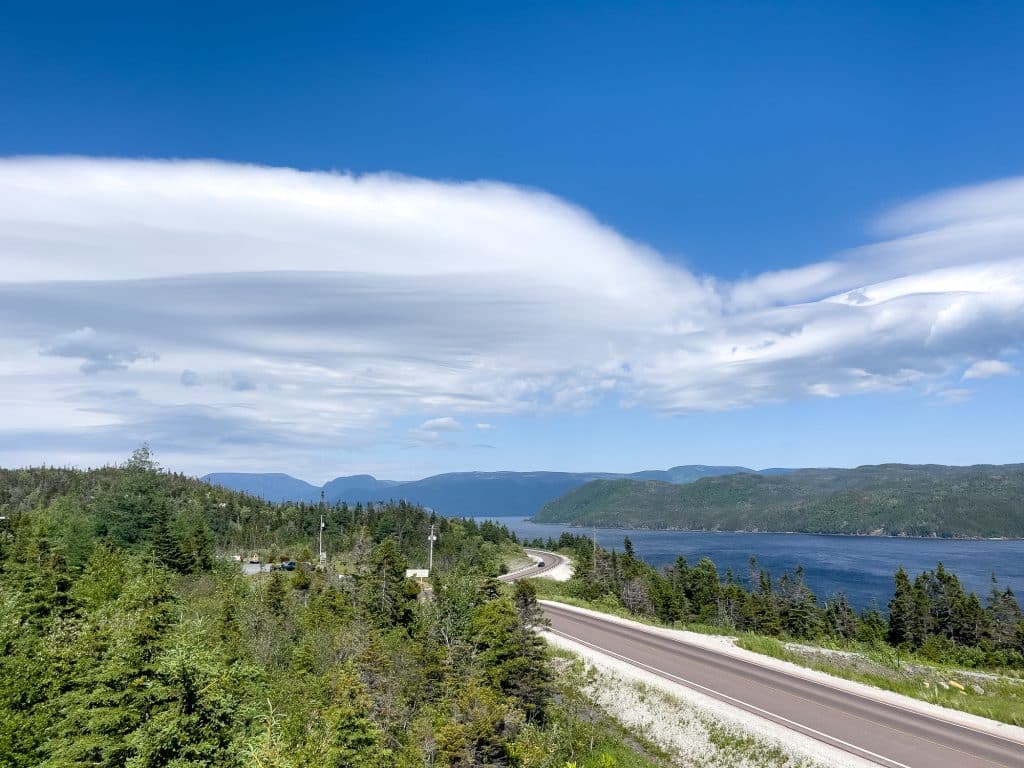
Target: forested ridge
(127, 638)
(889, 499)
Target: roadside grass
(663, 728)
(992, 695)
(1001, 699)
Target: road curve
(874, 730)
(551, 561)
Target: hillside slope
(888, 499)
(460, 494)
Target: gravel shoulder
(693, 727)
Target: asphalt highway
(877, 731)
(550, 559)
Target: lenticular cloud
(265, 303)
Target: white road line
(745, 705)
(812, 679)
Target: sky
(406, 239)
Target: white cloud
(443, 424)
(315, 309)
(985, 369)
(484, 426)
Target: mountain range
(457, 494)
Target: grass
(1002, 698)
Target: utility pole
(323, 554)
(430, 556)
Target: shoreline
(779, 533)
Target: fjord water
(860, 566)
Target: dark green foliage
(932, 614)
(386, 593)
(513, 657)
(126, 643)
(889, 499)
(112, 662)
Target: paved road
(882, 733)
(550, 560)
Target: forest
(931, 615)
(984, 501)
(129, 637)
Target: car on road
(540, 563)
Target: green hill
(981, 501)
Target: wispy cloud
(98, 352)
(442, 424)
(328, 306)
(954, 395)
(986, 369)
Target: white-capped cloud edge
(986, 369)
(310, 306)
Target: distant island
(982, 501)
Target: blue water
(860, 566)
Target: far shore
(781, 533)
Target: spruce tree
(908, 612)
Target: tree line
(128, 641)
(932, 615)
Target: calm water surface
(861, 566)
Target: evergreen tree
(908, 612)
(108, 687)
(199, 708)
(970, 622)
(840, 619)
(1004, 616)
(871, 625)
(164, 546)
(702, 588)
(511, 654)
(386, 593)
(798, 611)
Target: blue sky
(680, 195)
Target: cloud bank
(207, 305)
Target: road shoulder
(726, 646)
(687, 721)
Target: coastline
(606, 527)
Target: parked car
(288, 565)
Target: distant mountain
(889, 499)
(357, 486)
(689, 473)
(459, 494)
(273, 486)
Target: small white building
(417, 573)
